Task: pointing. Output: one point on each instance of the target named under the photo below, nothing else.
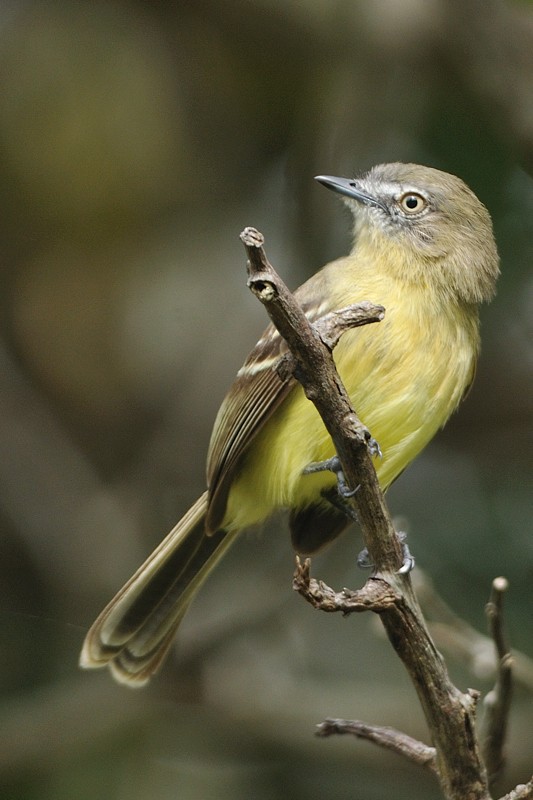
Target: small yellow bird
(424, 249)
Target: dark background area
(136, 141)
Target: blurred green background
(136, 141)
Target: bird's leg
(340, 502)
(373, 446)
(408, 560)
(333, 465)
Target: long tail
(135, 630)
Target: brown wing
(254, 396)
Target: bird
(424, 248)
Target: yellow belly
(405, 377)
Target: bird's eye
(412, 203)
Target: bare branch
(524, 791)
(498, 702)
(389, 738)
(331, 326)
(376, 595)
(450, 714)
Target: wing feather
(254, 396)
(256, 393)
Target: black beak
(349, 188)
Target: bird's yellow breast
(405, 376)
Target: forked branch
(450, 714)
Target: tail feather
(134, 632)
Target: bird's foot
(408, 560)
(332, 465)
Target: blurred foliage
(136, 141)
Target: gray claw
(333, 465)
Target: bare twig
(450, 714)
(376, 595)
(389, 738)
(331, 327)
(462, 641)
(524, 791)
(498, 701)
